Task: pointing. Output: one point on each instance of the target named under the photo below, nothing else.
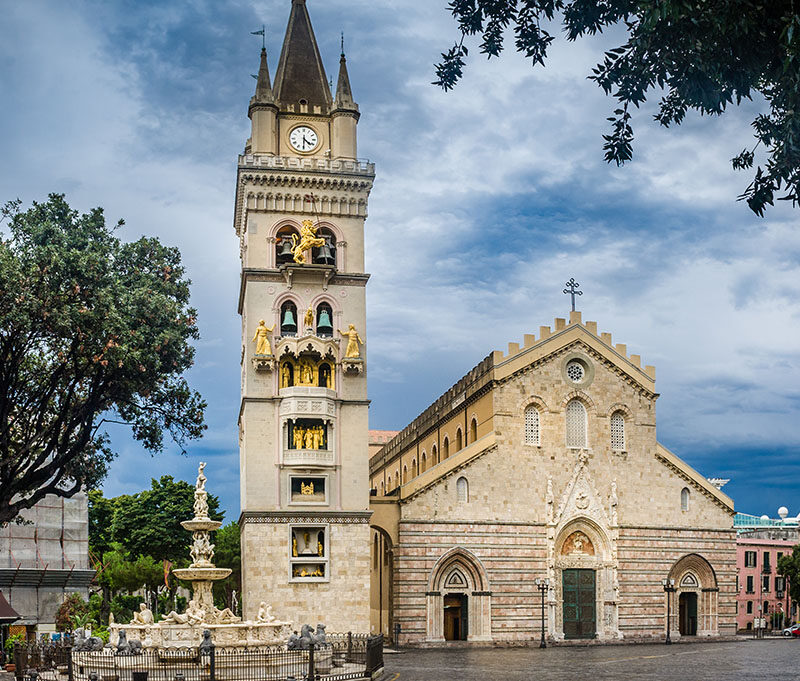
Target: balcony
(308, 457)
(766, 569)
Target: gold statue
(309, 437)
(353, 339)
(308, 239)
(286, 375)
(294, 546)
(317, 438)
(318, 572)
(309, 319)
(299, 437)
(261, 340)
(307, 489)
(306, 374)
(303, 573)
(320, 548)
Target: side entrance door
(455, 617)
(578, 588)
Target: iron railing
(344, 656)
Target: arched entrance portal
(693, 612)
(381, 583)
(458, 599)
(583, 603)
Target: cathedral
(534, 491)
(530, 501)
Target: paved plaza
(744, 660)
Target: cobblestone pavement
(746, 660)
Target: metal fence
(344, 656)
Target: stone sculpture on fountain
(187, 629)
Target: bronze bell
(326, 256)
(324, 325)
(285, 252)
(288, 323)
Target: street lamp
(669, 587)
(543, 585)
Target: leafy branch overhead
(92, 330)
(694, 54)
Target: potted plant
(11, 641)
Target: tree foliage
(149, 522)
(92, 329)
(228, 554)
(696, 54)
(72, 609)
(789, 567)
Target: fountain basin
(201, 524)
(202, 574)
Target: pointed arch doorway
(458, 601)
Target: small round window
(575, 371)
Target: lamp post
(543, 585)
(669, 588)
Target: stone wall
(341, 603)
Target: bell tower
(301, 204)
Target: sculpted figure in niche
(261, 338)
(298, 437)
(286, 376)
(577, 544)
(309, 319)
(306, 374)
(144, 616)
(309, 437)
(353, 339)
(317, 437)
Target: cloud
(486, 200)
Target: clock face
(303, 138)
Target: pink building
(761, 591)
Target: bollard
(311, 662)
(397, 634)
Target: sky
(487, 200)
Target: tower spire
(264, 93)
(301, 74)
(344, 95)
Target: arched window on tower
(617, 431)
(459, 440)
(405, 474)
(325, 376)
(685, 499)
(325, 254)
(413, 468)
(473, 430)
(532, 429)
(445, 448)
(434, 456)
(576, 424)
(423, 463)
(324, 320)
(283, 245)
(288, 319)
(462, 490)
(383, 488)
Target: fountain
(186, 629)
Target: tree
(101, 518)
(149, 523)
(228, 554)
(72, 609)
(699, 55)
(92, 330)
(789, 567)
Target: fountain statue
(187, 629)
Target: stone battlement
(560, 325)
